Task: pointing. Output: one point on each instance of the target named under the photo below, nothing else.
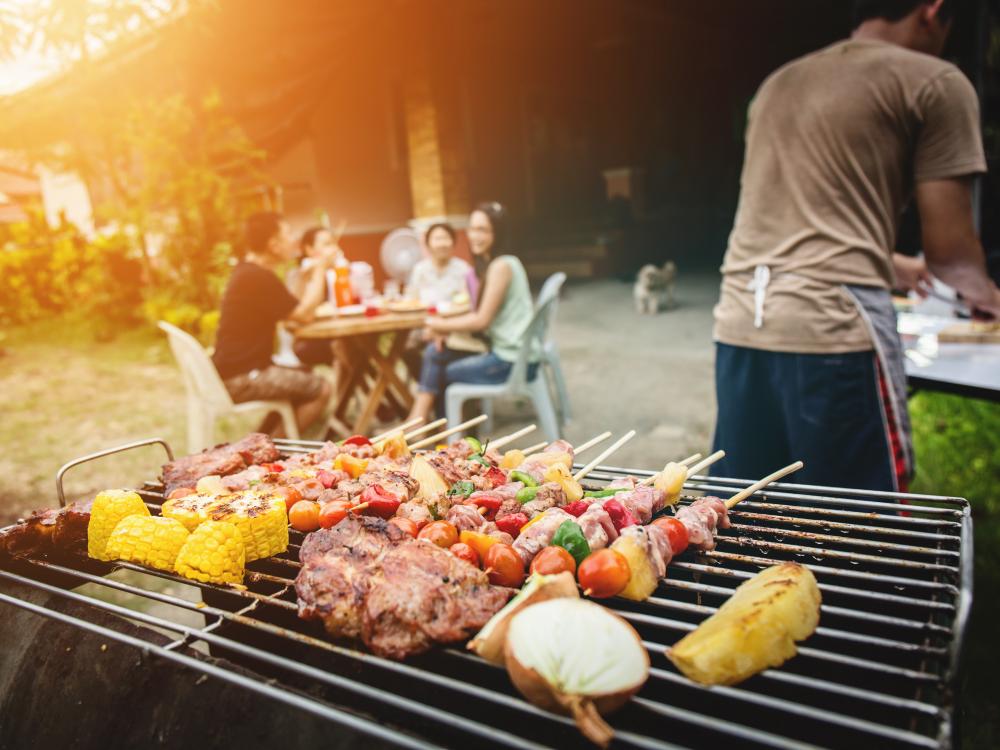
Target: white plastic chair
(517, 383)
(550, 352)
(207, 397)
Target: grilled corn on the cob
(147, 540)
(109, 508)
(213, 553)
(260, 517)
(755, 629)
(190, 510)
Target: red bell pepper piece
(273, 468)
(512, 523)
(620, 515)
(577, 509)
(380, 502)
(496, 476)
(492, 504)
(357, 440)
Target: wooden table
(359, 356)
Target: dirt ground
(650, 373)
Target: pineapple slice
(432, 484)
(755, 629)
(559, 474)
(643, 579)
(670, 481)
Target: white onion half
(576, 657)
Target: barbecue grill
(880, 671)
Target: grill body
(879, 671)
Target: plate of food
(405, 306)
(347, 311)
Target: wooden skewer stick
(744, 494)
(426, 428)
(650, 480)
(457, 428)
(592, 442)
(483, 510)
(404, 426)
(506, 439)
(358, 508)
(690, 459)
(604, 454)
(706, 462)
(535, 447)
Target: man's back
(835, 141)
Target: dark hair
(894, 10)
(308, 238)
(439, 225)
(259, 229)
(497, 215)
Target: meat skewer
(774, 477)
(457, 428)
(604, 454)
(506, 440)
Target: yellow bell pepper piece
(479, 542)
(353, 466)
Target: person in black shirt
(254, 302)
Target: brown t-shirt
(835, 142)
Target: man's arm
(951, 246)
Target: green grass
(958, 453)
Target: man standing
(808, 363)
(254, 302)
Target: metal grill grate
(879, 669)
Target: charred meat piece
(64, 529)
(338, 565)
(425, 595)
(225, 459)
(701, 519)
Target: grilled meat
(366, 578)
(425, 595)
(701, 518)
(64, 529)
(539, 534)
(225, 459)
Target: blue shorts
(826, 410)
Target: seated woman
(504, 312)
(315, 243)
(441, 277)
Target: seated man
(254, 302)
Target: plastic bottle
(342, 292)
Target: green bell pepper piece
(570, 537)
(520, 476)
(463, 488)
(526, 494)
(604, 493)
(476, 446)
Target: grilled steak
(425, 595)
(64, 529)
(337, 568)
(365, 578)
(225, 459)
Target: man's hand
(911, 274)
(988, 311)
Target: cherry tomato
(406, 524)
(357, 440)
(304, 515)
(289, 494)
(333, 512)
(465, 552)
(603, 573)
(676, 532)
(552, 560)
(181, 492)
(504, 565)
(441, 533)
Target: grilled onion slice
(575, 657)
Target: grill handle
(101, 454)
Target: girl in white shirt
(440, 277)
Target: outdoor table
(358, 337)
(971, 370)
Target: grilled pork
(225, 459)
(64, 529)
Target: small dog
(654, 288)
